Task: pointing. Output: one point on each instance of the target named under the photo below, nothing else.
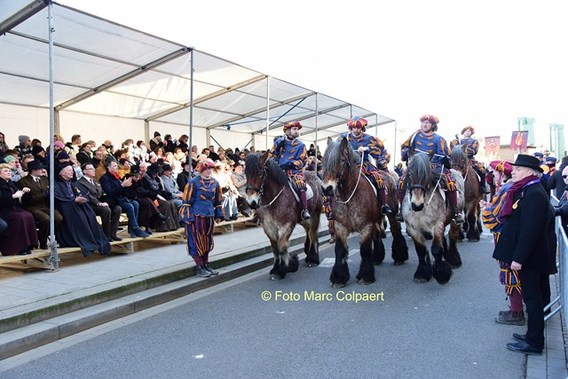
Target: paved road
(398, 329)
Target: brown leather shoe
(511, 318)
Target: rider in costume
(369, 145)
(290, 154)
(471, 147)
(425, 140)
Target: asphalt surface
(300, 327)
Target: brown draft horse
(357, 209)
(473, 193)
(426, 214)
(278, 210)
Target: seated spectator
(79, 227)
(115, 195)
(169, 144)
(154, 190)
(25, 146)
(85, 154)
(156, 141)
(93, 191)
(21, 235)
(230, 192)
(25, 160)
(3, 146)
(36, 200)
(39, 155)
(170, 185)
(184, 176)
(182, 142)
(240, 182)
(15, 167)
(123, 167)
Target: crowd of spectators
(143, 180)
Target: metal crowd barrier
(562, 266)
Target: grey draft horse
(426, 214)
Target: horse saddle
(296, 191)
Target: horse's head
(261, 172)
(459, 159)
(338, 161)
(418, 180)
(255, 174)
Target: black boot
(304, 201)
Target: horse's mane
(333, 155)
(459, 157)
(253, 169)
(420, 170)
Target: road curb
(45, 324)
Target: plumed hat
(204, 165)
(502, 166)
(468, 127)
(529, 161)
(431, 119)
(291, 125)
(358, 122)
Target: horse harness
(260, 190)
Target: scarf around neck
(507, 207)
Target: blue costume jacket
(290, 155)
(376, 148)
(435, 146)
(471, 146)
(202, 197)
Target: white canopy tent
(68, 72)
(112, 78)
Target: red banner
(519, 140)
(492, 146)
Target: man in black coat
(528, 244)
(93, 191)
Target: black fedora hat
(35, 165)
(528, 161)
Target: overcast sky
(481, 63)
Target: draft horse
(268, 191)
(473, 193)
(426, 213)
(357, 208)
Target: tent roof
(103, 68)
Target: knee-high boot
(453, 197)
(304, 201)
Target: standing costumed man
(290, 154)
(201, 208)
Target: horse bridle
(340, 183)
(260, 190)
